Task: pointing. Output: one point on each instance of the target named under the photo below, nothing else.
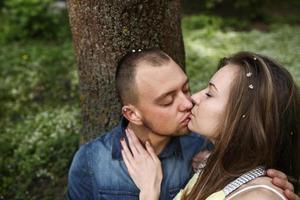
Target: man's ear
(132, 114)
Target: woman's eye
(208, 94)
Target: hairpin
(133, 50)
(243, 116)
(251, 86)
(249, 74)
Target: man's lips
(186, 119)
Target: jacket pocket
(118, 195)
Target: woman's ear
(132, 114)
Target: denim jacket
(98, 171)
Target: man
(156, 103)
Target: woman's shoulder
(259, 188)
(259, 193)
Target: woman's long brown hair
(260, 127)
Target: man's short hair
(126, 71)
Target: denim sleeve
(80, 180)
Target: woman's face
(210, 103)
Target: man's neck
(158, 142)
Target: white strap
(243, 179)
(257, 186)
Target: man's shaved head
(127, 67)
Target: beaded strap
(245, 178)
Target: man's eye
(167, 104)
(186, 91)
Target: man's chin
(182, 131)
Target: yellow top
(187, 189)
(215, 196)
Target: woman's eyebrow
(210, 84)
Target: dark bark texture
(103, 31)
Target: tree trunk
(103, 31)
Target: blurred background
(40, 113)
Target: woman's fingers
(128, 158)
(126, 161)
(138, 151)
(151, 151)
(126, 151)
(132, 146)
(134, 141)
(143, 165)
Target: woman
(250, 111)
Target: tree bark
(103, 31)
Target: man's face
(164, 99)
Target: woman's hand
(143, 166)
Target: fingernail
(128, 133)
(148, 142)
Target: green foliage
(39, 118)
(213, 23)
(252, 9)
(34, 73)
(244, 5)
(246, 8)
(195, 22)
(37, 152)
(31, 19)
(39, 112)
(205, 46)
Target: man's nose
(187, 103)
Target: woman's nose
(196, 98)
(193, 101)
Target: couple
(156, 107)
